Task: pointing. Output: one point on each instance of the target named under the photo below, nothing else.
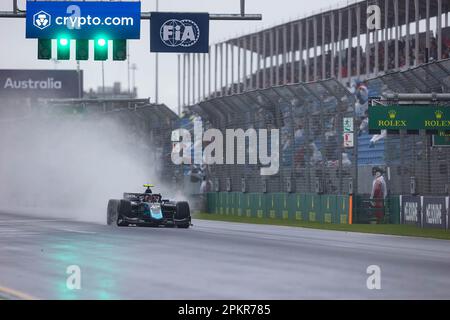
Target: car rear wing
(132, 196)
(138, 196)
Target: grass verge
(391, 229)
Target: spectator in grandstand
(379, 193)
(299, 135)
(286, 141)
(362, 98)
(195, 173)
(346, 162)
(376, 138)
(206, 185)
(364, 126)
(316, 157)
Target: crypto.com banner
(179, 32)
(83, 20)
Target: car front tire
(183, 212)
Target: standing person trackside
(379, 193)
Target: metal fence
(309, 117)
(411, 156)
(312, 154)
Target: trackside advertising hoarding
(40, 83)
(441, 139)
(425, 211)
(179, 32)
(411, 210)
(434, 212)
(83, 20)
(409, 117)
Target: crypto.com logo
(42, 20)
(179, 33)
(213, 153)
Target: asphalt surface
(214, 260)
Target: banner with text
(411, 210)
(434, 212)
(41, 83)
(83, 20)
(409, 117)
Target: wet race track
(214, 260)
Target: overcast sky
(17, 52)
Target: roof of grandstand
(325, 19)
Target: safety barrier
(284, 206)
(367, 208)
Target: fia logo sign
(373, 17)
(179, 33)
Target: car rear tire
(124, 210)
(183, 212)
(112, 212)
(117, 209)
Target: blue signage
(83, 20)
(179, 32)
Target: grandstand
(303, 77)
(331, 44)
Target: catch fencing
(311, 153)
(313, 158)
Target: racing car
(148, 209)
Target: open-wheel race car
(148, 209)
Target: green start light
(101, 42)
(82, 50)
(119, 50)
(63, 42)
(101, 49)
(44, 49)
(63, 48)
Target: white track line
(6, 221)
(16, 294)
(76, 231)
